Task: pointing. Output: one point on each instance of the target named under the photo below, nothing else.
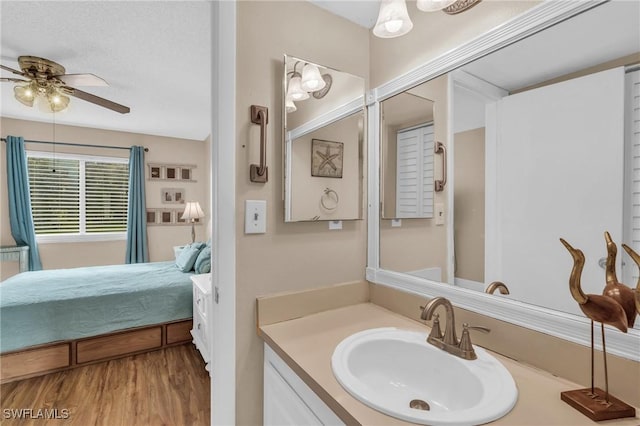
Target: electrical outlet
(255, 216)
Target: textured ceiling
(156, 57)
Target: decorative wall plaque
(326, 158)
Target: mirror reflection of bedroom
(105, 211)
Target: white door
(414, 176)
(554, 170)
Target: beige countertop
(307, 343)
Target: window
(78, 197)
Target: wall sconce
(393, 18)
(301, 86)
(192, 211)
(259, 172)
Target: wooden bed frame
(62, 355)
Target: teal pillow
(203, 262)
(188, 256)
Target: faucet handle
(465, 339)
(466, 326)
(436, 333)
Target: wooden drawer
(118, 344)
(34, 361)
(179, 332)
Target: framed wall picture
(181, 172)
(172, 195)
(151, 217)
(326, 158)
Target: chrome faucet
(449, 341)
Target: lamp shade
(192, 211)
(393, 19)
(311, 79)
(295, 90)
(24, 94)
(433, 5)
(289, 106)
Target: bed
(56, 319)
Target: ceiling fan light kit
(393, 18)
(45, 83)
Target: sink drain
(419, 404)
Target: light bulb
(393, 26)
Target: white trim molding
(352, 107)
(222, 322)
(566, 326)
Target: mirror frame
(352, 107)
(573, 328)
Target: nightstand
(201, 312)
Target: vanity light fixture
(393, 18)
(433, 5)
(301, 86)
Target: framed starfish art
(326, 158)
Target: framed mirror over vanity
(323, 131)
(537, 118)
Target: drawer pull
(199, 325)
(198, 301)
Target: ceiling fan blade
(13, 80)
(13, 71)
(95, 100)
(82, 80)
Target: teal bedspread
(46, 306)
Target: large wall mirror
(323, 142)
(542, 144)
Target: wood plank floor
(165, 387)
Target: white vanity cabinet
(201, 311)
(288, 400)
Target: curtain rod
(78, 144)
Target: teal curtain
(20, 217)
(137, 247)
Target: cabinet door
(288, 400)
(282, 406)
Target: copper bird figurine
(636, 258)
(596, 307)
(614, 289)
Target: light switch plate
(255, 216)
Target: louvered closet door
(557, 173)
(414, 183)
(632, 188)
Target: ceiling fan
(46, 80)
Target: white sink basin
(387, 368)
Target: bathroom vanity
(302, 330)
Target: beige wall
(161, 149)
(290, 256)
(411, 246)
(436, 33)
(468, 169)
(306, 190)
(305, 255)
